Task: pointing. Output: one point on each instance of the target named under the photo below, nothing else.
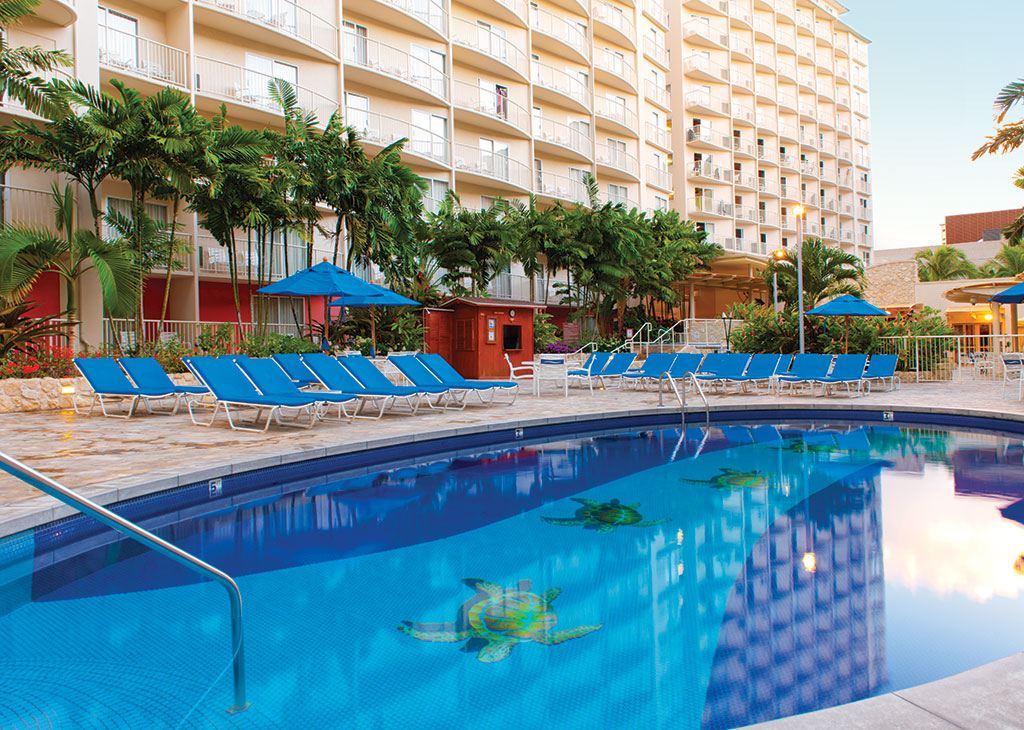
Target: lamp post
(779, 253)
(799, 211)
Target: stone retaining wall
(44, 394)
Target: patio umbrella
(1013, 295)
(323, 280)
(384, 297)
(847, 306)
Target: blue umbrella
(848, 306)
(1013, 295)
(384, 297)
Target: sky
(936, 67)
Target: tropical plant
(22, 333)
(1008, 138)
(27, 252)
(944, 263)
(827, 273)
(544, 331)
(471, 245)
(1008, 262)
(18, 65)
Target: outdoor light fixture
(798, 211)
(67, 389)
(988, 316)
(810, 562)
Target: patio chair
(148, 374)
(723, 366)
(651, 369)
(518, 372)
(271, 380)
(293, 366)
(109, 382)
(231, 389)
(451, 377)
(595, 362)
(1013, 371)
(805, 370)
(849, 371)
(883, 368)
(684, 365)
(335, 377)
(760, 370)
(371, 378)
(620, 364)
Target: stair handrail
(633, 340)
(666, 332)
(119, 524)
(681, 397)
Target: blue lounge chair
(272, 381)
(592, 365)
(724, 366)
(882, 368)
(620, 363)
(334, 376)
(760, 370)
(848, 370)
(370, 377)
(685, 365)
(805, 370)
(109, 382)
(232, 389)
(148, 374)
(294, 367)
(453, 378)
(421, 377)
(651, 369)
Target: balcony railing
(658, 135)
(495, 165)
(707, 100)
(381, 129)
(705, 134)
(429, 12)
(767, 186)
(742, 78)
(615, 111)
(708, 170)
(656, 93)
(558, 80)
(743, 112)
(740, 12)
(575, 138)
(234, 83)
(656, 11)
(524, 289)
(623, 200)
(701, 28)
(488, 101)
(703, 64)
(142, 57)
(559, 28)
(182, 261)
(788, 161)
(214, 259)
(27, 207)
(768, 218)
(562, 187)
(284, 17)
(656, 52)
(489, 43)
(659, 177)
(619, 159)
(766, 154)
(743, 147)
(388, 60)
(615, 65)
(744, 180)
(746, 213)
(738, 45)
(611, 16)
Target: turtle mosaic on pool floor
(605, 516)
(734, 479)
(496, 619)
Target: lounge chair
(109, 382)
(148, 374)
(848, 370)
(271, 380)
(232, 389)
(805, 370)
(371, 378)
(760, 370)
(594, 363)
(335, 377)
(724, 366)
(453, 379)
(620, 364)
(685, 364)
(293, 366)
(651, 369)
(882, 368)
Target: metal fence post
(917, 361)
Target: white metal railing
(616, 65)
(618, 199)
(744, 180)
(541, 289)
(704, 133)
(705, 169)
(741, 145)
(613, 17)
(658, 136)
(767, 186)
(742, 78)
(618, 158)
(743, 111)
(382, 129)
(768, 218)
(575, 138)
(656, 11)
(746, 213)
(214, 258)
(518, 7)
(694, 63)
(656, 93)
(739, 45)
(252, 88)
(494, 165)
(487, 41)
(702, 28)
(788, 101)
(559, 28)
(766, 154)
(562, 187)
(182, 260)
(615, 111)
(429, 12)
(740, 12)
(187, 332)
(658, 176)
(383, 58)
(284, 17)
(788, 161)
(560, 81)
(142, 57)
(958, 358)
(707, 100)
(656, 52)
(27, 207)
(485, 100)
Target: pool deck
(109, 460)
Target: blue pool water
(706, 578)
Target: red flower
(26, 369)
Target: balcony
(787, 132)
(714, 7)
(614, 25)
(739, 14)
(487, 167)
(805, 23)
(846, 235)
(141, 57)
(27, 207)
(765, 61)
(742, 80)
(617, 163)
(787, 102)
(614, 115)
(787, 72)
(379, 130)
(767, 155)
(709, 206)
(556, 85)
(704, 69)
(765, 121)
(557, 35)
(699, 101)
(656, 12)
(482, 48)
(656, 53)
(561, 187)
(656, 94)
(764, 29)
(742, 114)
(785, 9)
(562, 140)
(623, 200)
(767, 187)
(659, 137)
(809, 169)
(788, 162)
(830, 205)
(741, 50)
(841, 46)
(765, 92)
(614, 70)
(786, 38)
(768, 218)
(745, 213)
(510, 11)
(182, 261)
(659, 178)
(214, 259)
(744, 180)
(278, 23)
(700, 32)
(702, 170)
(808, 198)
(704, 137)
(387, 68)
(787, 222)
(491, 110)
(419, 17)
(742, 148)
(61, 13)
(249, 90)
(787, 191)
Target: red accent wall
(439, 324)
(217, 303)
(46, 294)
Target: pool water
(698, 578)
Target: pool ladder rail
(681, 396)
(58, 491)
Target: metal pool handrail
(58, 491)
(682, 398)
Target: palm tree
(827, 273)
(27, 252)
(1008, 262)
(1008, 137)
(944, 263)
(19, 64)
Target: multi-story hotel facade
(731, 113)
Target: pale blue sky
(936, 68)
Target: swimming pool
(684, 578)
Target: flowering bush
(556, 347)
(43, 363)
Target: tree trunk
(233, 269)
(170, 261)
(138, 211)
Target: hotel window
(260, 70)
(617, 193)
(435, 194)
(282, 313)
(493, 98)
(355, 43)
(357, 113)
(494, 158)
(428, 69)
(429, 134)
(118, 39)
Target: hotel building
(731, 113)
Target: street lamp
(779, 253)
(799, 211)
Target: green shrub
(275, 344)
(544, 331)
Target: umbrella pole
(846, 337)
(373, 330)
